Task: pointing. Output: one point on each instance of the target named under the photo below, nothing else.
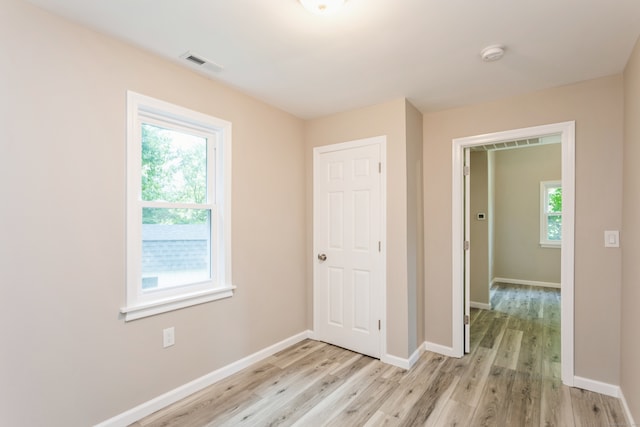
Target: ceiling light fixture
(492, 53)
(323, 7)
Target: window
(178, 207)
(550, 214)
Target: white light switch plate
(611, 239)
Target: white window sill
(134, 312)
(551, 245)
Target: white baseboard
(440, 349)
(400, 362)
(416, 355)
(153, 405)
(627, 411)
(597, 386)
(526, 282)
(480, 305)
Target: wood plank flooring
(510, 378)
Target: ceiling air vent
(199, 61)
(196, 60)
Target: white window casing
(140, 300)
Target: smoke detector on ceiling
(199, 61)
(492, 53)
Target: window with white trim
(178, 207)
(550, 214)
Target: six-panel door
(347, 230)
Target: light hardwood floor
(510, 378)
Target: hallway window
(550, 214)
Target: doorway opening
(460, 290)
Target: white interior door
(348, 261)
(467, 249)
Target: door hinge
(379, 246)
(466, 171)
(466, 319)
(379, 167)
(466, 245)
(379, 325)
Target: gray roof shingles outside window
(180, 247)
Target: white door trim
(567, 133)
(467, 251)
(381, 141)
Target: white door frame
(467, 250)
(567, 135)
(381, 141)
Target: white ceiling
(376, 50)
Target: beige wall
(630, 238)
(68, 358)
(395, 119)
(517, 251)
(596, 106)
(479, 229)
(415, 234)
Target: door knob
(322, 257)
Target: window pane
(176, 247)
(554, 227)
(554, 199)
(174, 166)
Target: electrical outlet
(168, 337)
(611, 239)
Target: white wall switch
(611, 239)
(168, 337)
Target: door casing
(467, 250)
(566, 130)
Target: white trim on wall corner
(440, 349)
(606, 389)
(597, 386)
(480, 305)
(400, 362)
(153, 405)
(627, 411)
(526, 282)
